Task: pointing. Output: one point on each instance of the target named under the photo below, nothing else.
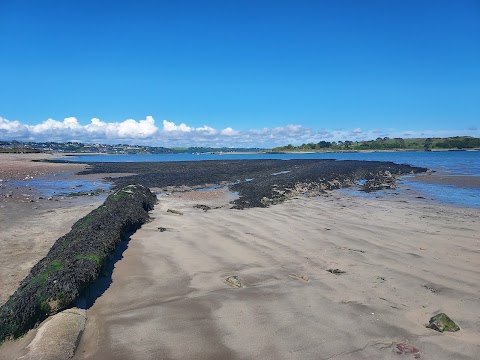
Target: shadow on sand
(98, 288)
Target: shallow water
(447, 193)
(61, 185)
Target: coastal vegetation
(386, 143)
(75, 260)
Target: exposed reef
(75, 260)
(261, 183)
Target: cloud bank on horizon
(146, 132)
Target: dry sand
(405, 261)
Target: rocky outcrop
(311, 178)
(269, 181)
(380, 181)
(75, 260)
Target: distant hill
(425, 144)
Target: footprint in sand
(300, 277)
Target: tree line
(386, 143)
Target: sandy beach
(238, 180)
(404, 260)
(330, 277)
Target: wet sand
(29, 167)
(405, 260)
(21, 166)
(463, 181)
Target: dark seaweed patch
(308, 176)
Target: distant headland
(387, 144)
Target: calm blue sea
(452, 163)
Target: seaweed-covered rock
(379, 181)
(75, 260)
(314, 177)
(441, 322)
(269, 181)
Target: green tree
(427, 146)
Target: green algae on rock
(441, 322)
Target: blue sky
(239, 73)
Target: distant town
(78, 147)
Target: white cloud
(170, 126)
(146, 132)
(207, 129)
(141, 129)
(229, 132)
(13, 128)
(70, 128)
(54, 126)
